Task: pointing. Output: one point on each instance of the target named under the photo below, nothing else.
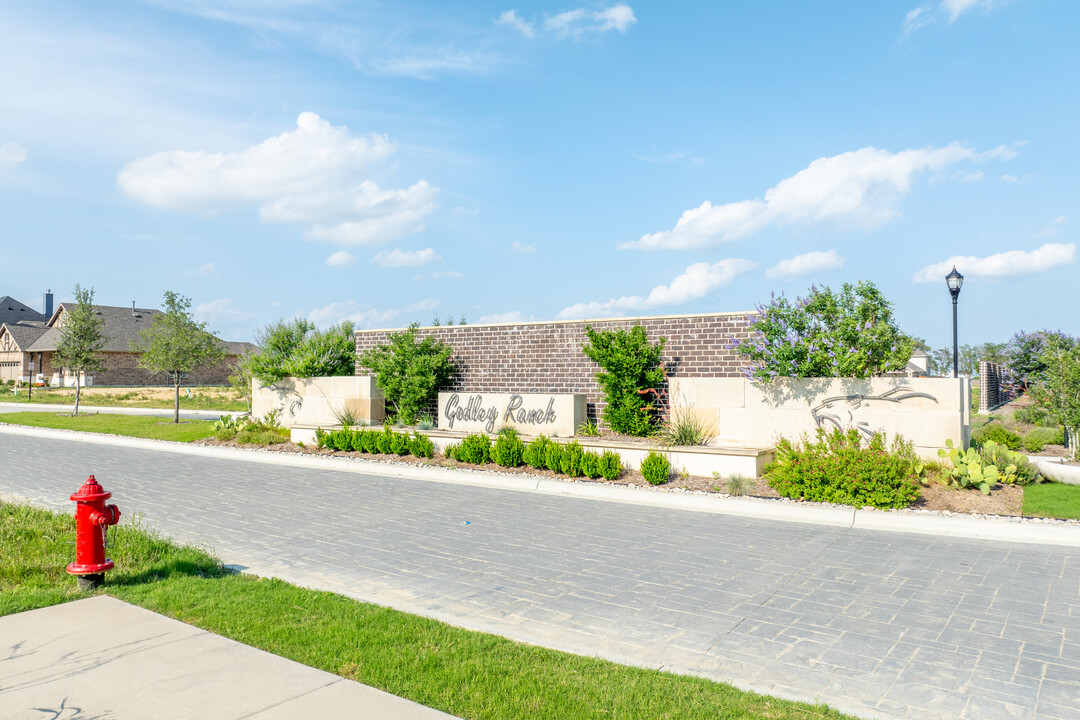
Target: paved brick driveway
(874, 623)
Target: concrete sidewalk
(103, 658)
(10, 407)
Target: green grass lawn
(1053, 500)
(201, 399)
(465, 673)
(157, 428)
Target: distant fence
(995, 387)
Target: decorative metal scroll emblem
(841, 411)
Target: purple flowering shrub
(847, 334)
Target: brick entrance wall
(546, 356)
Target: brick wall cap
(640, 318)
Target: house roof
(13, 311)
(24, 334)
(122, 327)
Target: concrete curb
(1010, 530)
(1056, 470)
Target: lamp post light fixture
(955, 281)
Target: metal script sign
(530, 413)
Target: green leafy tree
(176, 344)
(847, 334)
(409, 372)
(82, 335)
(631, 377)
(296, 348)
(1057, 387)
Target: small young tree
(176, 344)
(631, 377)
(409, 372)
(81, 337)
(1058, 385)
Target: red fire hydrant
(92, 519)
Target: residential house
(28, 340)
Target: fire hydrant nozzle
(92, 518)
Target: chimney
(47, 304)
(133, 313)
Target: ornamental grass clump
(840, 467)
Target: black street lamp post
(955, 281)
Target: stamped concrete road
(878, 624)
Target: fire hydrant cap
(90, 490)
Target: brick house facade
(23, 342)
(538, 357)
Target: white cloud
(439, 275)
(860, 188)
(311, 175)
(576, 23)
(221, 312)
(514, 316)
(1010, 178)
(406, 258)
(340, 259)
(511, 18)
(365, 316)
(805, 264)
(956, 8)
(1013, 262)
(950, 10)
(11, 154)
(207, 270)
(1053, 228)
(697, 281)
(518, 247)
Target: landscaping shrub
(590, 464)
(847, 334)
(370, 441)
(409, 372)
(610, 465)
(535, 454)
(399, 443)
(255, 435)
(631, 377)
(656, 468)
(996, 433)
(553, 456)
(357, 440)
(452, 450)
(384, 441)
(570, 462)
(1034, 415)
(421, 446)
(297, 348)
(509, 450)
(475, 448)
(225, 434)
(838, 467)
(1037, 438)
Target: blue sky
(389, 162)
